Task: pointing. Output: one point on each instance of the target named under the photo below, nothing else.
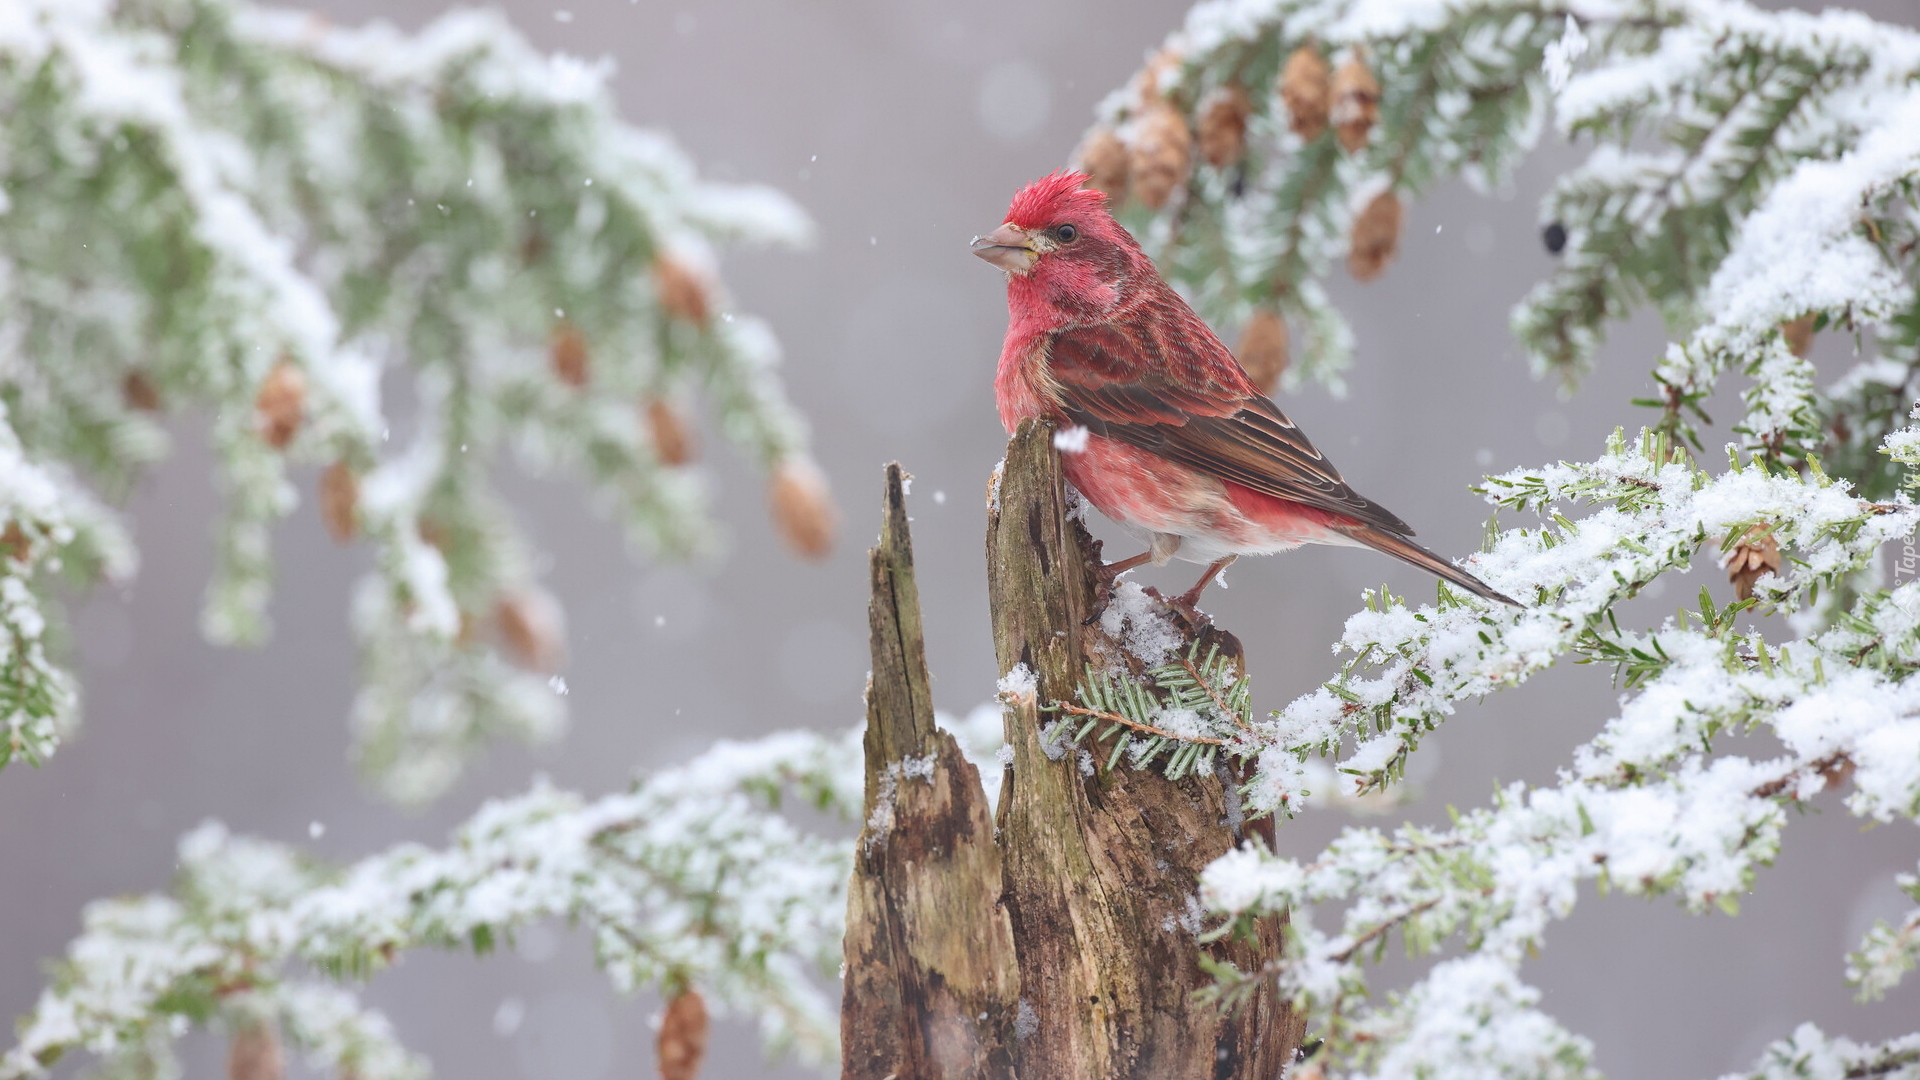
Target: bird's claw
(1187, 605)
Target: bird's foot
(1187, 604)
(1108, 573)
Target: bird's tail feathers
(1407, 551)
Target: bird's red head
(1055, 198)
(1061, 249)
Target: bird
(1159, 426)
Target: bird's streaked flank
(1179, 447)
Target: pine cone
(281, 403)
(1223, 124)
(1154, 78)
(255, 1054)
(568, 354)
(340, 502)
(1837, 770)
(1376, 237)
(1752, 559)
(1799, 335)
(673, 439)
(15, 543)
(1263, 350)
(1356, 103)
(802, 508)
(1162, 155)
(683, 292)
(1103, 157)
(138, 391)
(683, 1037)
(1305, 87)
(530, 624)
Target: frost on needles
(223, 211)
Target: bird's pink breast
(1148, 493)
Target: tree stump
(1085, 962)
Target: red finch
(1159, 426)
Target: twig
(1231, 712)
(1361, 942)
(1137, 725)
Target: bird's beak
(1008, 248)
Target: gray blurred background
(903, 126)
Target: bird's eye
(1066, 233)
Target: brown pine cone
(682, 291)
(673, 439)
(1263, 350)
(15, 543)
(1223, 124)
(802, 508)
(1755, 556)
(682, 1045)
(1156, 78)
(1356, 103)
(139, 392)
(281, 403)
(340, 502)
(1376, 237)
(1306, 88)
(1103, 157)
(568, 355)
(1799, 335)
(255, 1054)
(530, 624)
(1162, 155)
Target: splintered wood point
(931, 989)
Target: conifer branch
(1756, 178)
(690, 878)
(214, 206)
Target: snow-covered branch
(1756, 177)
(211, 205)
(692, 878)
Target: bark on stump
(1058, 941)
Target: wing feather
(1167, 385)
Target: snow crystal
(1140, 624)
(918, 768)
(1180, 723)
(1055, 738)
(1072, 440)
(1560, 55)
(1018, 685)
(507, 1018)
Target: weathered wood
(1101, 866)
(931, 984)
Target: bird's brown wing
(1164, 383)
